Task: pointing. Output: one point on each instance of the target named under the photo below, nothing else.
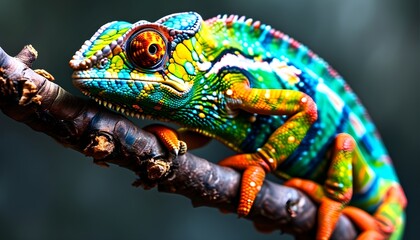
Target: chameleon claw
(169, 138)
(182, 148)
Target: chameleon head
(140, 68)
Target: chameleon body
(260, 92)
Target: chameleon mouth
(123, 109)
(176, 86)
(135, 111)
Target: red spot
(137, 108)
(311, 54)
(212, 20)
(256, 24)
(158, 107)
(229, 20)
(278, 34)
(294, 43)
(347, 88)
(332, 72)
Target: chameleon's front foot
(337, 191)
(254, 169)
(155, 166)
(169, 138)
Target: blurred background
(50, 192)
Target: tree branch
(108, 137)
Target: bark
(109, 138)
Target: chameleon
(281, 107)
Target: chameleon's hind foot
(337, 190)
(329, 209)
(388, 220)
(368, 225)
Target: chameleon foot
(252, 179)
(388, 220)
(169, 138)
(337, 190)
(368, 225)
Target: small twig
(111, 138)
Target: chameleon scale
(262, 93)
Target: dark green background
(50, 192)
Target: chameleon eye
(146, 49)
